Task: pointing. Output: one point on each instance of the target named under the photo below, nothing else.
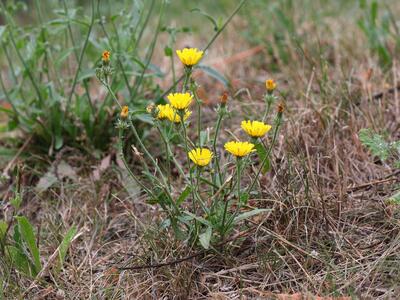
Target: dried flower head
(150, 108)
(281, 107)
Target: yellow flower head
(239, 149)
(180, 100)
(270, 85)
(124, 112)
(200, 156)
(189, 56)
(166, 111)
(255, 128)
(106, 56)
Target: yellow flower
(180, 100)
(106, 56)
(255, 128)
(239, 149)
(124, 112)
(200, 156)
(189, 56)
(270, 85)
(166, 111)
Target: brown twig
(388, 178)
(180, 260)
(388, 91)
(20, 150)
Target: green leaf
(182, 197)
(215, 74)
(205, 238)
(210, 18)
(374, 11)
(375, 143)
(395, 199)
(200, 219)
(249, 214)
(59, 141)
(203, 137)
(262, 154)
(2, 30)
(29, 237)
(19, 260)
(65, 245)
(244, 197)
(16, 201)
(168, 51)
(3, 229)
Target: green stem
(177, 164)
(188, 73)
(26, 67)
(223, 230)
(198, 103)
(85, 84)
(267, 110)
(213, 38)
(139, 140)
(167, 155)
(121, 152)
(278, 124)
(173, 69)
(238, 161)
(80, 60)
(182, 113)
(216, 158)
(150, 52)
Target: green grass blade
(65, 245)
(29, 237)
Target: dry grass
(329, 233)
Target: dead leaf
(64, 170)
(104, 164)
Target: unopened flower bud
(224, 98)
(124, 112)
(270, 85)
(105, 57)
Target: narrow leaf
(215, 74)
(65, 244)
(205, 238)
(29, 237)
(183, 195)
(250, 213)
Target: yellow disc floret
(239, 149)
(180, 100)
(270, 85)
(166, 111)
(200, 156)
(255, 128)
(189, 56)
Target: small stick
(177, 261)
